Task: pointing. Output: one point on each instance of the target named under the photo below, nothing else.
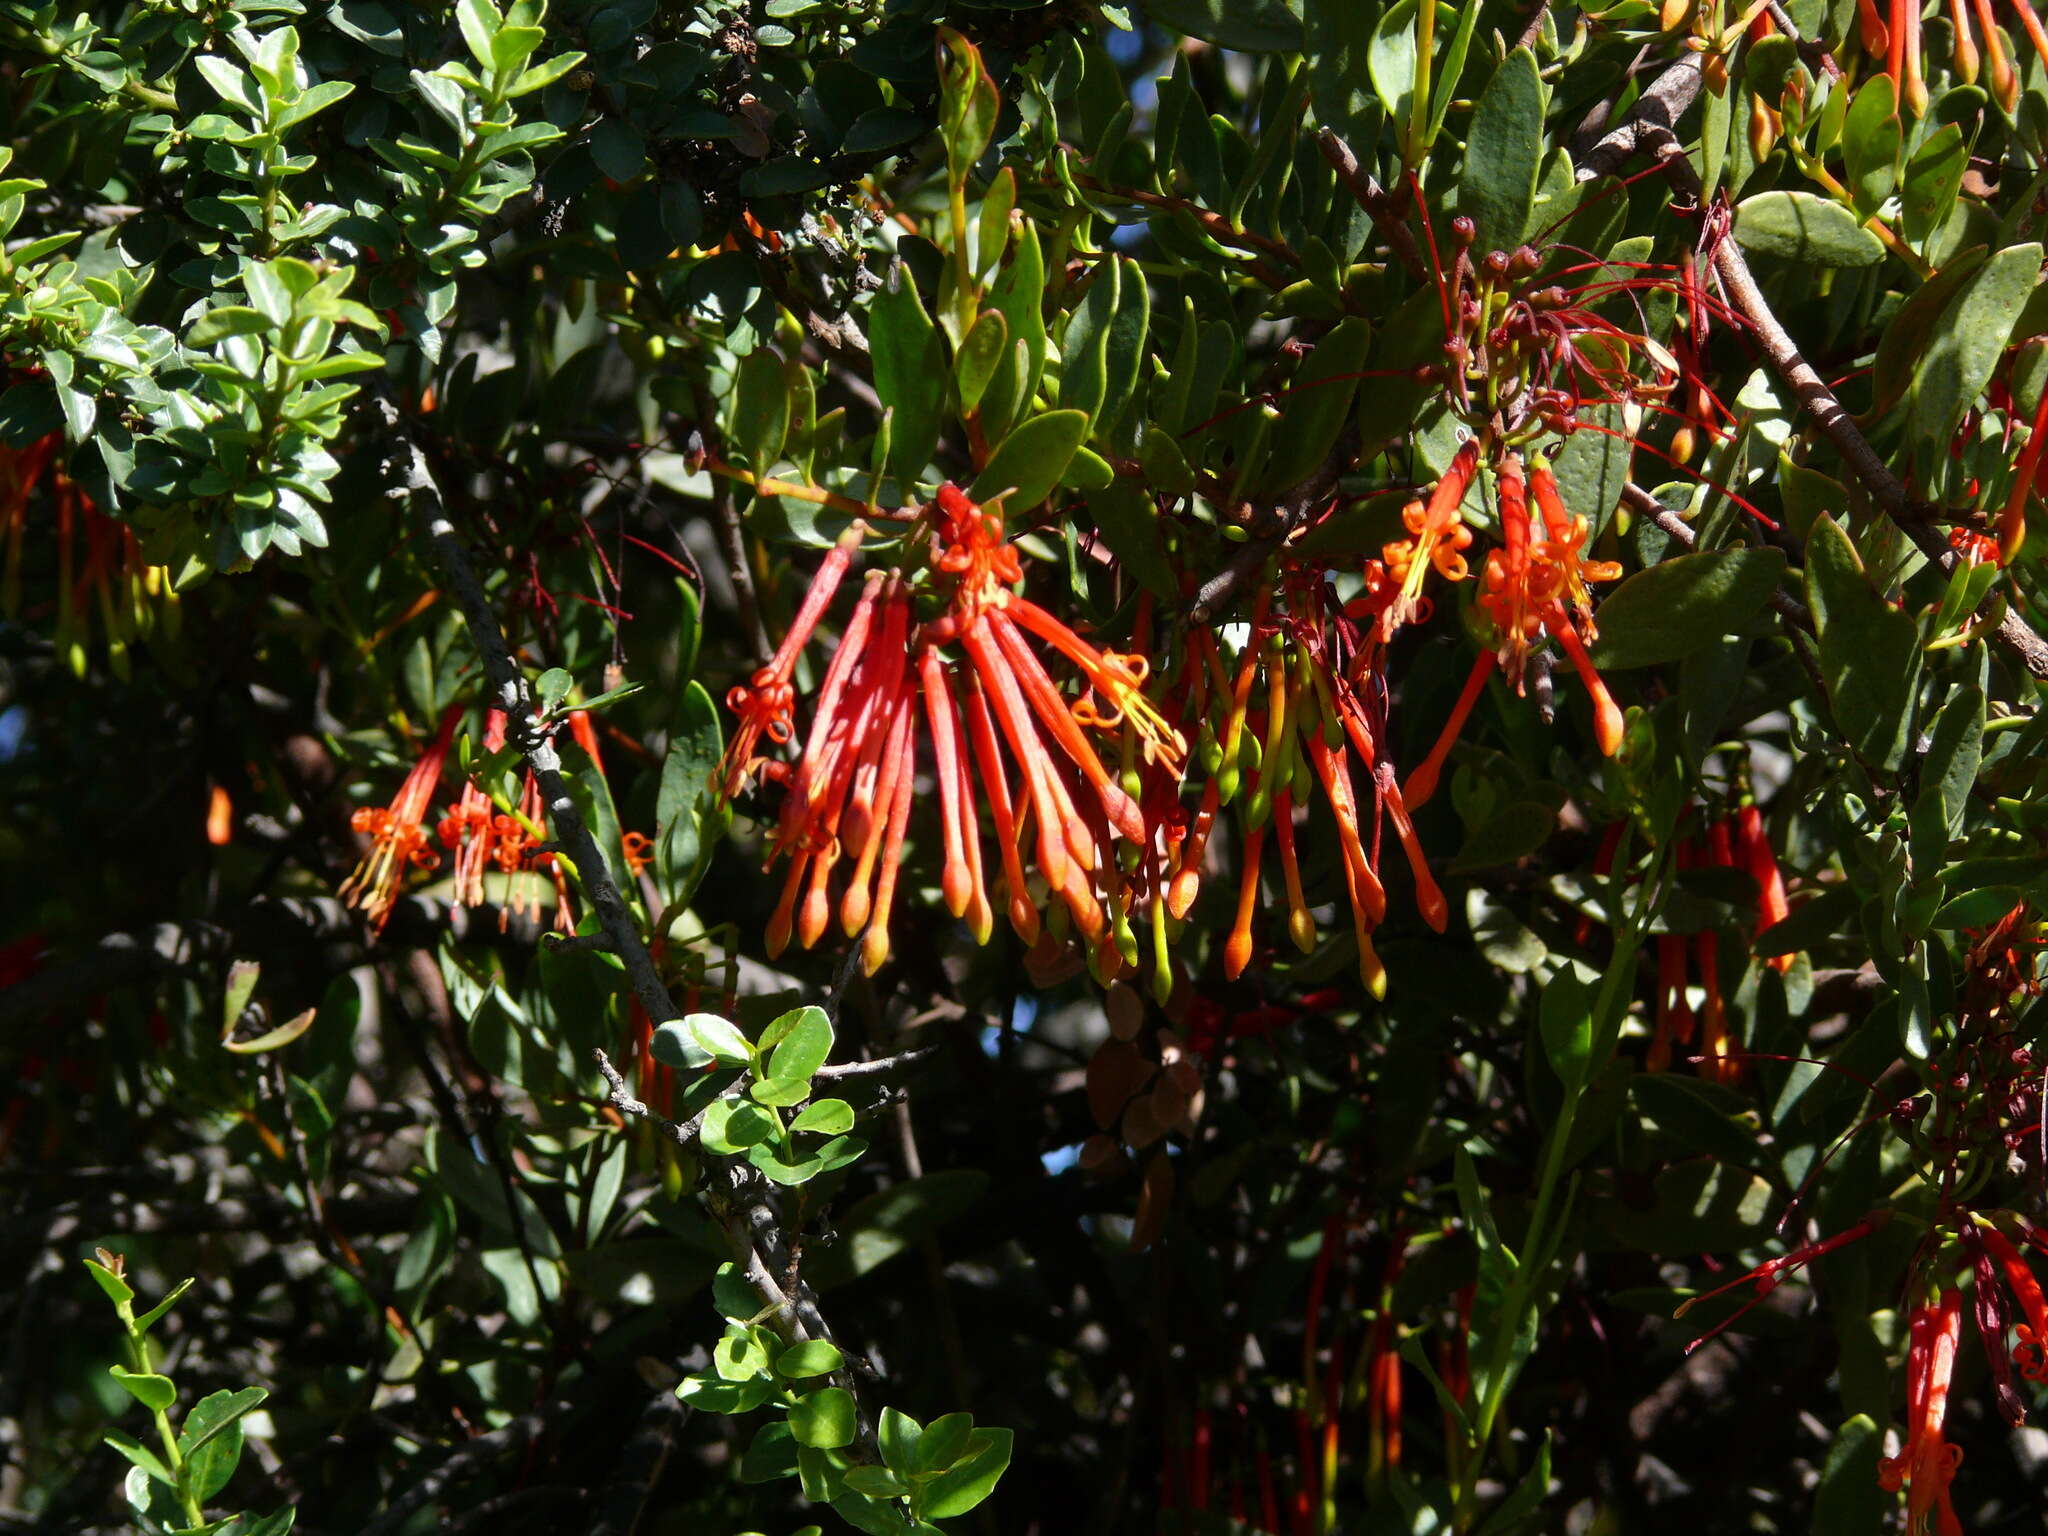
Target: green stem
(1418, 106)
(1538, 1240)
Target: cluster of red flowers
(100, 565)
(1981, 1113)
(476, 834)
(992, 714)
(1298, 708)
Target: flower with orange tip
(766, 702)
(1436, 537)
(2030, 1352)
(1755, 855)
(1927, 1464)
(398, 838)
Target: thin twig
(639, 1467)
(844, 1070)
(1292, 513)
(1372, 197)
(1819, 401)
(732, 536)
(1648, 128)
(467, 1460)
(623, 1100)
(745, 1208)
(1660, 106)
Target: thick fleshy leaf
(1869, 650)
(1677, 606)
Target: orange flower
(1927, 1464)
(766, 702)
(398, 841)
(1436, 535)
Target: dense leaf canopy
(914, 765)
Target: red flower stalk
(1765, 1276)
(1927, 1464)
(398, 840)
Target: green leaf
(1869, 650)
(1128, 521)
(1955, 750)
(968, 1481)
(1850, 1501)
(140, 1455)
(1701, 1116)
(552, 687)
(217, 325)
(1966, 345)
(943, 1442)
(1566, 1020)
(1871, 139)
(734, 1125)
(824, 1418)
(214, 1413)
(813, 1357)
(1245, 26)
(148, 1319)
(982, 350)
(1528, 1496)
(827, 1117)
(803, 1041)
(760, 409)
(897, 1436)
(209, 1467)
(1084, 344)
(1677, 606)
(117, 1289)
(1316, 407)
(154, 1392)
(1807, 228)
(1933, 179)
(1030, 461)
(771, 1455)
(719, 1038)
(684, 806)
(1504, 154)
(674, 1046)
(909, 357)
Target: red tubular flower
(1514, 587)
(1187, 879)
(2012, 518)
(988, 758)
(1237, 948)
(2030, 1354)
(470, 830)
(1927, 1464)
(1754, 853)
(398, 840)
(1422, 780)
(767, 702)
(1436, 537)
